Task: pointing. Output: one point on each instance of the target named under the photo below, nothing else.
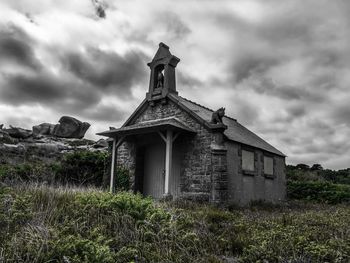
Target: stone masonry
(196, 174)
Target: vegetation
(303, 172)
(43, 224)
(317, 184)
(78, 168)
(319, 191)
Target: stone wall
(196, 169)
(126, 158)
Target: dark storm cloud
(108, 71)
(249, 65)
(16, 46)
(47, 89)
(263, 85)
(90, 75)
(21, 88)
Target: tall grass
(39, 223)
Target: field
(39, 223)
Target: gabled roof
(235, 131)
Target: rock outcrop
(70, 127)
(101, 143)
(19, 133)
(43, 129)
(46, 141)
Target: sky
(281, 68)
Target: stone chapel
(176, 148)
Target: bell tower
(162, 79)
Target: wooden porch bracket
(162, 136)
(175, 136)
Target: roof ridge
(205, 107)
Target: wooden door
(176, 169)
(154, 165)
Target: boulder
(70, 127)
(101, 143)
(19, 133)
(6, 138)
(1, 126)
(43, 129)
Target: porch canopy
(172, 123)
(172, 128)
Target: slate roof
(235, 131)
(146, 126)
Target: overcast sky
(282, 68)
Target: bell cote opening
(162, 79)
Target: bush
(83, 168)
(78, 168)
(319, 191)
(317, 173)
(122, 179)
(28, 172)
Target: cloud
(108, 71)
(108, 113)
(340, 112)
(15, 47)
(49, 90)
(250, 64)
(185, 79)
(280, 67)
(174, 25)
(100, 8)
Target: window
(248, 160)
(268, 165)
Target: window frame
(266, 175)
(245, 171)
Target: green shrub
(302, 172)
(318, 191)
(76, 249)
(28, 172)
(122, 179)
(78, 168)
(83, 168)
(136, 206)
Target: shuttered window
(248, 160)
(268, 165)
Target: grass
(43, 224)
